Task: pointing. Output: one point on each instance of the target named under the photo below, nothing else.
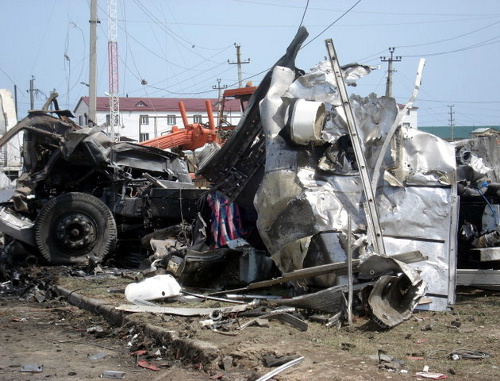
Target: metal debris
(185, 311)
(280, 369)
(32, 368)
(113, 374)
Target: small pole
(349, 273)
(239, 62)
(390, 70)
(32, 93)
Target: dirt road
(74, 344)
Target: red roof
(161, 104)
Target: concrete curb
(193, 351)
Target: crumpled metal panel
(317, 84)
(297, 201)
(423, 159)
(416, 212)
(435, 269)
(481, 156)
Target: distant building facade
(146, 118)
(410, 119)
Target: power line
(449, 39)
(493, 40)
(304, 14)
(329, 26)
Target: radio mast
(114, 99)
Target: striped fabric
(226, 220)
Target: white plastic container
(157, 287)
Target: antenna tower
(114, 100)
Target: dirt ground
(75, 344)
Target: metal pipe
(182, 109)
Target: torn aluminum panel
(478, 160)
(186, 311)
(297, 199)
(422, 159)
(237, 167)
(293, 185)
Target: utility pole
(239, 62)
(15, 102)
(93, 61)
(219, 98)
(452, 121)
(219, 88)
(32, 93)
(390, 70)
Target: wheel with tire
(74, 226)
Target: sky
(172, 48)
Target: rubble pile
(323, 194)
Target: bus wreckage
(311, 183)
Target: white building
(10, 153)
(410, 119)
(146, 118)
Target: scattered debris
(459, 354)
(32, 368)
(310, 184)
(97, 356)
(280, 369)
(431, 375)
(157, 287)
(112, 374)
(147, 365)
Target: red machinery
(191, 137)
(196, 135)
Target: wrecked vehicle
(292, 161)
(82, 196)
(309, 181)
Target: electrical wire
(491, 41)
(170, 32)
(449, 39)
(334, 22)
(304, 14)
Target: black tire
(74, 226)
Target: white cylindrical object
(307, 121)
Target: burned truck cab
(80, 193)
